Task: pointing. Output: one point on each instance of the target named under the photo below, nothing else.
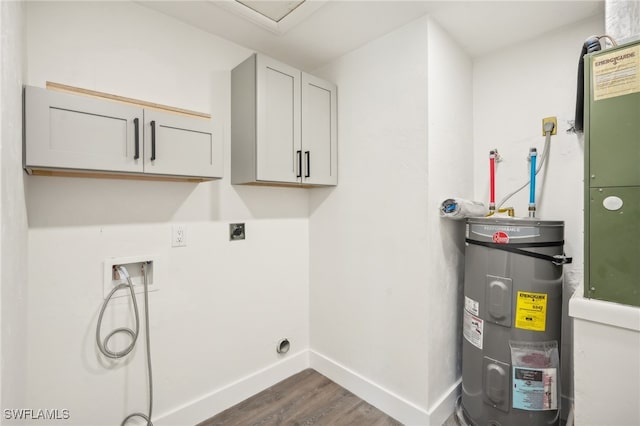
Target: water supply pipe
(103, 344)
(533, 154)
(492, 182)
(548, 129)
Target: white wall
(222, 306)
(383, 300)
(368, 249)
(607, 372)
(514, 89)
(382, 271)
(13, 216)
(450, 144)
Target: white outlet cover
(178, 236)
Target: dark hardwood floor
(307, 398)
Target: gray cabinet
(64, 131)
(319, 131)
(283, 125)
(67, 132)
(278, 121)
(181, 146)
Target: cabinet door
(319, 131)
(77, 132)
(278, 147)
(179, 145)
(614, 133)
(615, 234)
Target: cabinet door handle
(136, 129)
(153, 141)
(308, 156)
(299, 154)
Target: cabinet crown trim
(122, 99)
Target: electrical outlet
(553, 120)
(178, 236)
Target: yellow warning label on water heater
(531, 311)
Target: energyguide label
(616, 73)
(531, 311)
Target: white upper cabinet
(283, 125)
(64, 131)
(319, 131)
(278, 121)
(68, 132)
(181, 146)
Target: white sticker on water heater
(535, 389)
(472, 306)
(473, 329)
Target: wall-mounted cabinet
(283, 125)
(181, 146)
(73, 133)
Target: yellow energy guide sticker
(531, 311)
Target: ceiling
(274, 10)
(329, 29)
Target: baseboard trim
(394, 405)
(445, 406)
(227, 396)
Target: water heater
(512, 320)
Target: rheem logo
(501, 237)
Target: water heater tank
(512, 321)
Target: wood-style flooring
(307, 398)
